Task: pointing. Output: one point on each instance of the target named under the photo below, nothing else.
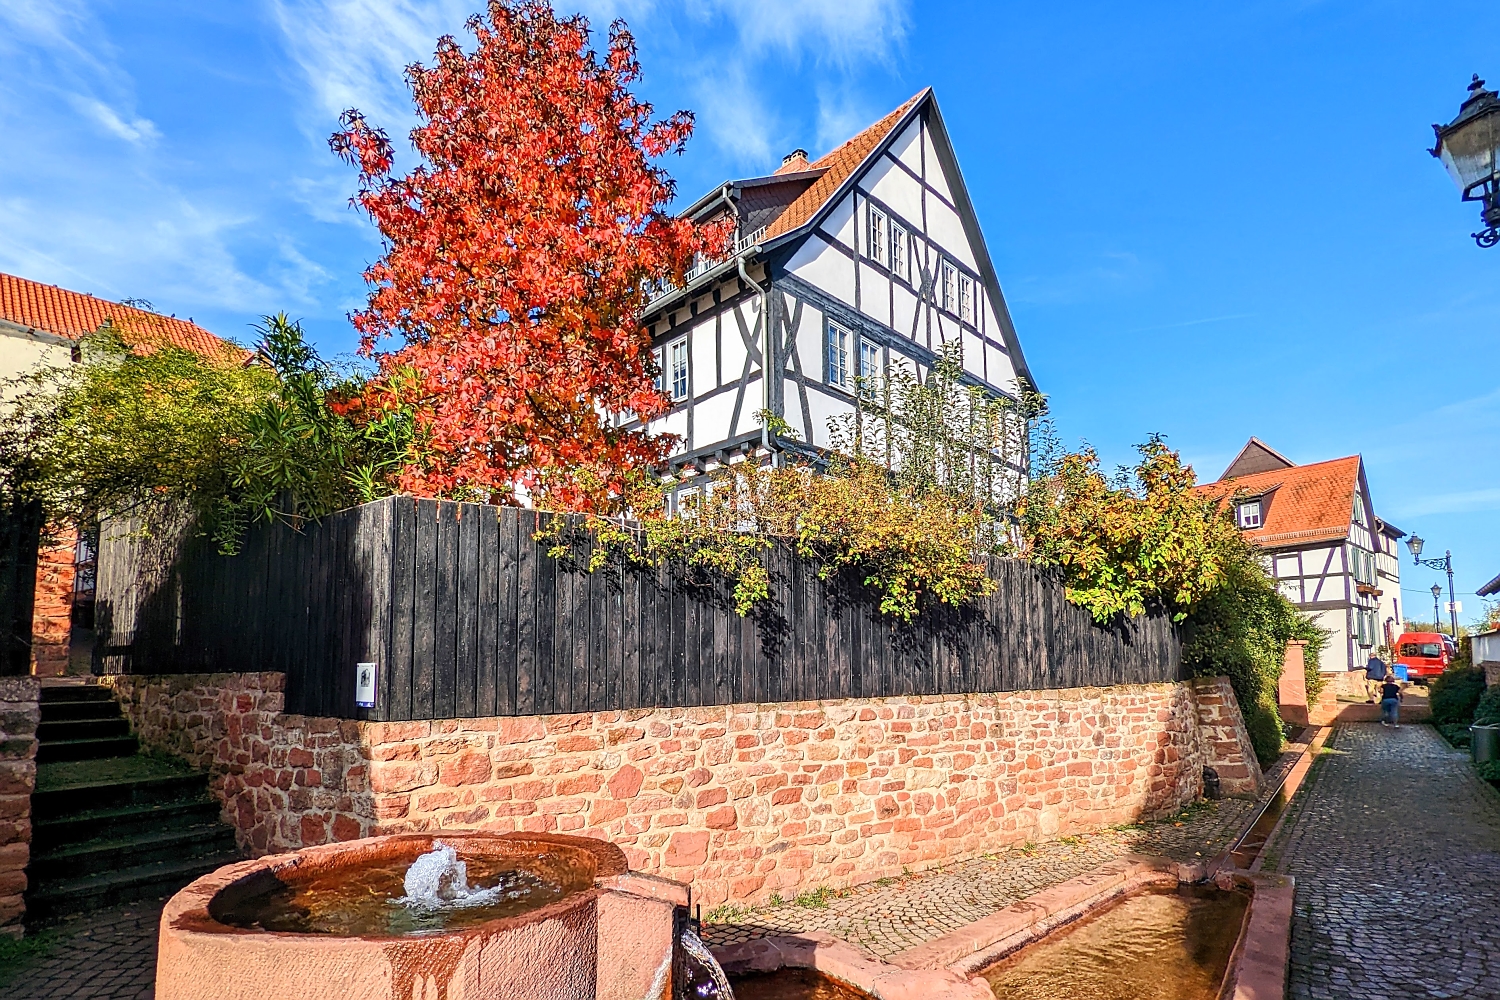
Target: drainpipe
(765, 353)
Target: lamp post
(1469, 147)
(1446, 563)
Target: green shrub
(1488, 711)
(1489, 770)
(1456, 694)
(1456, 735)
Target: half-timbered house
(844, 267)
(1323, 543)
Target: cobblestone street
(1395, 846)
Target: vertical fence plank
(487, 629)
(522, 523)
(467, 613)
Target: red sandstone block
(711, 797)
(505, 771)
(786, 796)
(437, 800)
(465, 769)
(604, 811)
(722, 818)
(686, 850)
(525, 729)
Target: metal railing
(702, 265)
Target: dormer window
(1248, 514)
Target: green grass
(815, 899)
(16, 953)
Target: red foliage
(518, 254)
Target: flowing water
(431, 894)
(1154, 945)
(717, 987)
(794, 984)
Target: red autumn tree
(518, 257)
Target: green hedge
(1455, 695)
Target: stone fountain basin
(609, 939)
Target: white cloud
(136, 130)
(353, 53)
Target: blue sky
(1209, 220)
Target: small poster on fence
(364, 684)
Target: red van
(1425, 654)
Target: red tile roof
(837, 166)
(49, 309)
(1307, 503)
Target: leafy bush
(1487, 712)
(1152, 538)
(1457, 735)
(911, 494)
(228, 436)
(1455, 695)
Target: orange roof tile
(1308, 503)
(837, 167)
(49, 309)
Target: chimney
(794, 161)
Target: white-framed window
(659, 356)
(1249, 514)
(950, 287)
(879, 234)
(840, 343)
(677, 368)
(869, 367)
(966, 297)
(900, 253)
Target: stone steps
(111, 825)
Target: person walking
(1375, 671)
(1390, 701)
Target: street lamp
(1446, 563)
(1469, 147)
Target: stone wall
(741, 801)
(52, 614)
(1226, 741)
(19, 715)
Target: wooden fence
(467, 615)
(20, 531)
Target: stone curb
(978, 944)
(843, 961)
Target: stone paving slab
(107, 955)
(1394, 843)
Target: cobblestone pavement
(1395, 846)
(895, 914)
(107, 955)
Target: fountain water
(438, 880)
(478, 915)
(699, 953)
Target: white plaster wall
(824, 267)
(898, 189)
(711, 418)
(934, 176)
(947, 231)
(874, 294)
(840, 222)
(907, 147)
(704, 357)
